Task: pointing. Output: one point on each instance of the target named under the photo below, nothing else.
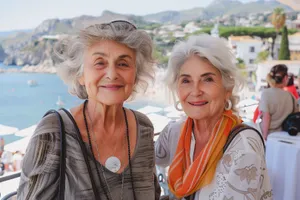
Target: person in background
(202, 165)
(2, 144)
(17, 161)
(291, 86)
(1, 167)
(276, 103)
(7, 160)
(110, 150)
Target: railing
(161, 180)
(8, 178)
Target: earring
(228, 104)
(176, 106)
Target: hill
(215, 9)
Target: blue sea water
(22, 106)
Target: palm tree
(278, 18)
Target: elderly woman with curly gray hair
(109, 148)
(210, 154)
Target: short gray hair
(70, 53)
(216, 51)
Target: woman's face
(109, 72)
(200, 89)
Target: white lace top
(241, 173)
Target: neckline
(137, 145)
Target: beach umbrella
(247, 102)
(19, 145)
(26, 132)
(294, 4)
(159, 121)
(7, 130)
(150, 109)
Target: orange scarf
(185, 178)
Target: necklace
(98, 152)
(112, 163)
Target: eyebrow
(202, 75)
(99, 53)
(105, 55)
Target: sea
(22, 105)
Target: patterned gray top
(39, 178)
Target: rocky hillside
(216, 8)
(35, 47)
(3, 55)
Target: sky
(28, 14)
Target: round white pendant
(113, 164)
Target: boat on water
(59, 102)
(32, 83)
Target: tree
(278, 18)
(284, 53)
(262, 56)
(240, 63)
(159, 56)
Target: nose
(197, 90)
(111, 72)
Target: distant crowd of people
(9, 161)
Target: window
(251, 61)
(252, 49)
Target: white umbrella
(175, 115)
(7, 130)
(247, 102)
(19, 145)
(26, 132)
(159, 122)
(170, 109)
(149, 109)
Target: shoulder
(267, 92)
(43, 148)
(171, 131)
(175, 126)
(142, 119)
(48, 124)
(248, 141)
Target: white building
(171, 27)
(191, 27)
(264, 68)
(215, 31)
(179, 34)
(246, 48)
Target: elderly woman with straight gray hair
(211, 154)
(99, 149)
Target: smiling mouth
(200, 103)
(112, 87)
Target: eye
(209, 79)
(100, 63)
(123, 64)
(185, 80)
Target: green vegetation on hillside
(226, 31)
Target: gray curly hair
(70, 52)
(214, 50)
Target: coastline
(29, 69)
